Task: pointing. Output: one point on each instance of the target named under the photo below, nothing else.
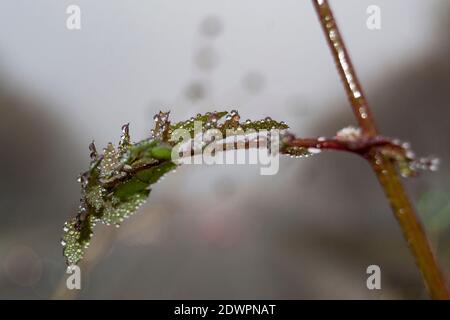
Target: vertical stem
(345, 68)
(387, 175)
(411, 227)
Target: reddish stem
(387, 175)
(362, 146)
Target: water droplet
(435, 163)
(298, 151)
(349, 134)
(363, 112)
(314, 150)
(410, 155)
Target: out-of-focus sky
(132, 58)
(222, 232)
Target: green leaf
(111, 194)
(161, 152)
(76, 238)
(110, 162)
(118, 182)
(130, 187)
(117, 210)
(153, 174)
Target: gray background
(225, 231)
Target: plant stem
(387, 175)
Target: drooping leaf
(76, 238)
(119, 180)
(113, 189)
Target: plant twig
(362, 146)
(387, 175)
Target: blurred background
(222, 232)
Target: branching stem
(387, 175)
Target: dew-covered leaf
(130, 187)
(298, 152)
(110, 162)
(118, 181)
(94, 196)
(212, 117)
(140, 150)
(118, 209)
(266, 124)
(76, 237)
(153, 174)
(115, 186)
(162, 152)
